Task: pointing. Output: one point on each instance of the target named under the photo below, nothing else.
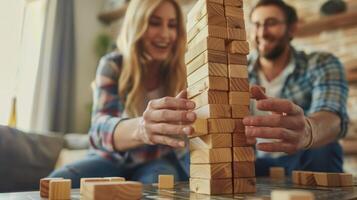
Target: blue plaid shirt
(317, 83)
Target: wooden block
(233, 11)
(346, 179)
(239, 111)
(277, 172)
(211, 186)
(211, 141)
(166, 181)
(210, 82)
(208, 27)
(208, 69)
(327, 179)
(210, 97)
(295, 177)
(44, 186)
(207, 56)
(237, 3)
(239, 126)
(126, 190)
(213, 111)
(243, 169)
(200, 126)
(235, 23)
(239, 98)
(237, 59)
(205, 156)
(208, 43)
(211, 171)
(202, 8)
(239, 140)
(236, 34)
(238, 47)
(214, 125)
(307, 178)
(115, 179)
(94, 179)
(292, 195)
(237, 71)
(239, 84)
(60, 189)
(241, 154)
(244, 185)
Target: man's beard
(278, 50)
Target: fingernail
(190, 116)
(186, 130)
(190, 105)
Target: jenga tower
(217, 77)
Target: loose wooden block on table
(238, 47)
(213, 111)
(211, 141)
(237, 59)
(211, 186)
(346, 179)
(166, 181)
(277, 172)
(236, 34)
(233, 11)
(239, 98)
(208, 69)
(210, 97)
(292, 195)
(208, 43)
(326, 179)
(307, 178)
(60, 189)
(238, 3)
(239, 140)
(87, 180)
(244, 185)
(207, 83)
(204, 156)
(237, 71)
(243, 169)
(205, 57)
(45, 185)
(295, 177)
(211, 171)
(239, 84)
(209, 27)
(115, 179)
(239, 111)
(235, 23)
(242, 154)
(126, 190)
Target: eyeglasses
(269, 23)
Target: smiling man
(302, 114)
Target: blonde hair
(131, 87)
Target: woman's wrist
(309, 134)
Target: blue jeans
(328, 158)
(96, 166)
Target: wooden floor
(181, 191)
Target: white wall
(87, 27)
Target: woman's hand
(166, 120)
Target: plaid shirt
(107, 112)
(317, 83)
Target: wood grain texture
(233, 11)
(208, 69)
(239, 126)
(295, 177)
(346, 179)
(237, 71)
(239, 84)
(243, 169)
(244, 185)
(235, 23)
(307, 178)
(239, 140)
(202, 44)
(214, 125)
(209, 27)
(211, 141)
(238, 47)
(45, 185)
(239, 111)
(60, 189)
(211, 186)
(237, 3)
(326, 179)
(115, 179)
(239, 98)
(127, 190)
(210, 97)
(237, 59)
(277, 172)
(242, 154)
(207, 83)
(211, 171)
(205, 156)
(236, 34)
(213, 111)
(95, 179)
(166, 181)
(208, 56)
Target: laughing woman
(140, 115)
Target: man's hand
(165, 119)
(287, 124)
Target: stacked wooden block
(309, 178)
(217, 77)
